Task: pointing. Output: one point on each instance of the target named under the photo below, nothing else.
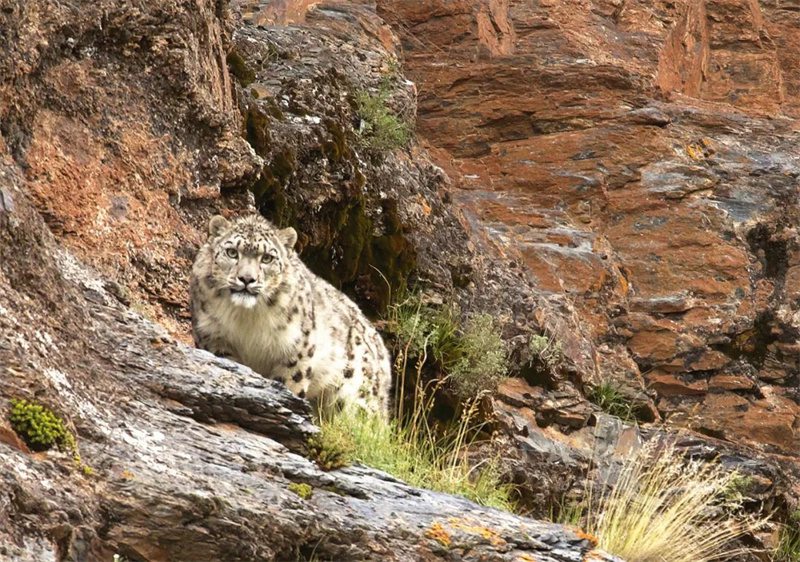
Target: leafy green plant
(661, 507)
(608, 397)
(380, 128)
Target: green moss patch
(40, 427)
(43, 429)
(303, 490)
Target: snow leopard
(253, 300)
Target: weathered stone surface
(613, 182)
(120, 136)
(125, 122)
(642, 159)
(189, 452)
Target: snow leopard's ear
(288, 236)
(216, 225)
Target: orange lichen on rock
(472, 528)
(439, 534)
(695, 151)
(583, 535)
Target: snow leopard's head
(249, 258)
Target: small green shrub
(331, 448)
(303, 490)
(546, 350)
(608, 397)
(471, 356)
(380, 128)
(480, 362)
(40, 427)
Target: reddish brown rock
(641, 159)
(97, 116)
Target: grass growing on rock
(608, 397)
(380, 128)
(661, 507)
(331, 448)
(421, 455)
(469, 360)
(788, 549)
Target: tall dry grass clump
(666, 509)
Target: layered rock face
(121, 133)
(640, 158)
(620, 175)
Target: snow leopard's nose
(246, 279)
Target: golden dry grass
(665, 509)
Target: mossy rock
(303, 490)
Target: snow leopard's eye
(267, 258)
(232, 253)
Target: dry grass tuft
(666, 509)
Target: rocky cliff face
(620, 176)
(121, 131)
(641, 159)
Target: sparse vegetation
(546, 350)
(663, 508)
(481, 358)
(421, 455)
(472, 357)
(469, 360)
(788, 549)
(380, 128)
(609, 398)
(568, 513)
(738, 488)
(331, 448)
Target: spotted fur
(254, 300)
